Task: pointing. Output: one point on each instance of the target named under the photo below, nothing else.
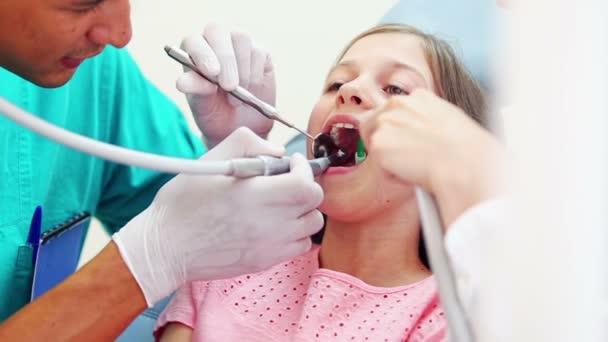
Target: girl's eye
(394, 90)
(334, 86)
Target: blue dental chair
(469, 25)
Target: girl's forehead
(387, 41)
(387, 49)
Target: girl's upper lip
(340, 118)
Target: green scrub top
(108, 99)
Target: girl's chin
(339, 170)
(344, 211)
(356, 205)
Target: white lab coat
(468, 241)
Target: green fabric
(21, 285)
(108, 99)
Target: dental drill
(238, 167)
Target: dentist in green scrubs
(64, 61)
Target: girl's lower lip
(71, 63)
(339, 170)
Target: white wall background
(304, 37)
(546, 280)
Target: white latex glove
(212, 227)
(448, 153)
(233, 59)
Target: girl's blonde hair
(453, 82)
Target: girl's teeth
(343, 125)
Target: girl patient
(367, 280)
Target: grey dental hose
(238, 167)
(459, 326)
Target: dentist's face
(374, 69)
(44, 41)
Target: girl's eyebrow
(88, 2)
(407, 67)
(346, 64)
(393, 66)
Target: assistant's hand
(233, 59)
(211, 227)
(428, 141)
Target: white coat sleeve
(467, 242)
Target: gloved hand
(212, 227)
(233, 59)
(430, 142)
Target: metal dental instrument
(269, 166)
(240, 93)
(460, 329)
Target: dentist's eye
(394, 90)
(334, 87)
(87, 6)
(85, 10)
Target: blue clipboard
(57, 254)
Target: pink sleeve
(182, 308)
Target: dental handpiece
(239, 167)
(240, 93)
(269, 166)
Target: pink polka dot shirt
(298, 301)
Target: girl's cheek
(316, 121)
(319, 114)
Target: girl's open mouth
(343, 142)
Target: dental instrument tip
(303, 132)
